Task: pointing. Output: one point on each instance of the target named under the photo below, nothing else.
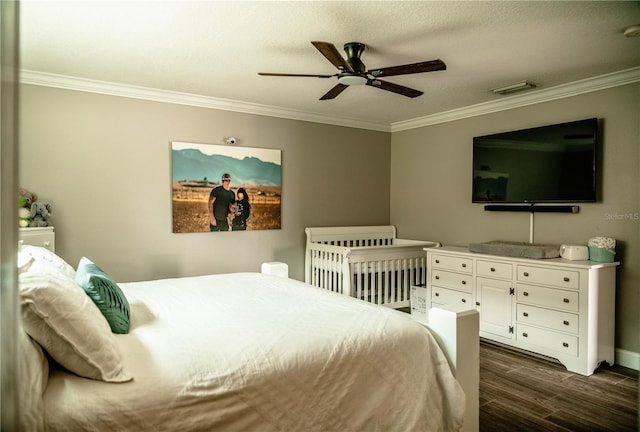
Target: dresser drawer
(494, 269)
(551, 340)
(555, 277)
(453, 280)
(42, 237)
(444, 296)
(548, 297)
(448, 262)
(555, 320)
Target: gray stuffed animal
(40, 214)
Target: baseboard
(628, 359)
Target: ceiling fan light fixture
(512, 88)
(348, 78)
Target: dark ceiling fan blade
(426, 66)
(395, 88)
(294, 75)
(332, 54)
(335, 91)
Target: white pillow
(58, 314)
(44, 255)
(34, 376)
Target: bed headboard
(352, 236)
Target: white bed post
(345, 277)
(457, 332)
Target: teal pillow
(105, 293)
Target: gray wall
(103, 162)
(431, 188)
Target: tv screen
(547, 164)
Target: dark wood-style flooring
(519, 392)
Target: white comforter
(253, 352)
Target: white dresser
(39, 236)
(555, 307)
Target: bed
(366, 262)
(232, 352)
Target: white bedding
(254, 352)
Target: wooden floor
(519, 392)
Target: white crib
(366, 262)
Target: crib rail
(384, 275)
(327, 267)
(381, 275)
(358, 236)
(366, 262)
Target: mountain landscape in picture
(193, 165)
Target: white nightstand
(38, 236)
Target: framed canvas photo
(225, 188)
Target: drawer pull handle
(525, 314)
(526, 294)
(564, 344)
(464, 282)
(464, 300)
(477, 303)
(437, 294)
(437, 261)
(526, 274)
(565, 322)
(492, 269)
(525, 335)
(566, 300)
(464, 266)
(437, 277)
(566, 279)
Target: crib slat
(378, 286)
(407, 269)
(358, 280)
(383, 295)
(390, 292)
(397, 274)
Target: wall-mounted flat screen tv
(547, 164)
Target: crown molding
(575, 88)
(114, 89)
(588, 85)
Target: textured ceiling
(216, 49)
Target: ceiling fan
(354, 72)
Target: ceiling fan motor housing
(357, 76)
(354, 50)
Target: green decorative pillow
(105, 293)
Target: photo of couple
(228, 210)
(245, 195)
